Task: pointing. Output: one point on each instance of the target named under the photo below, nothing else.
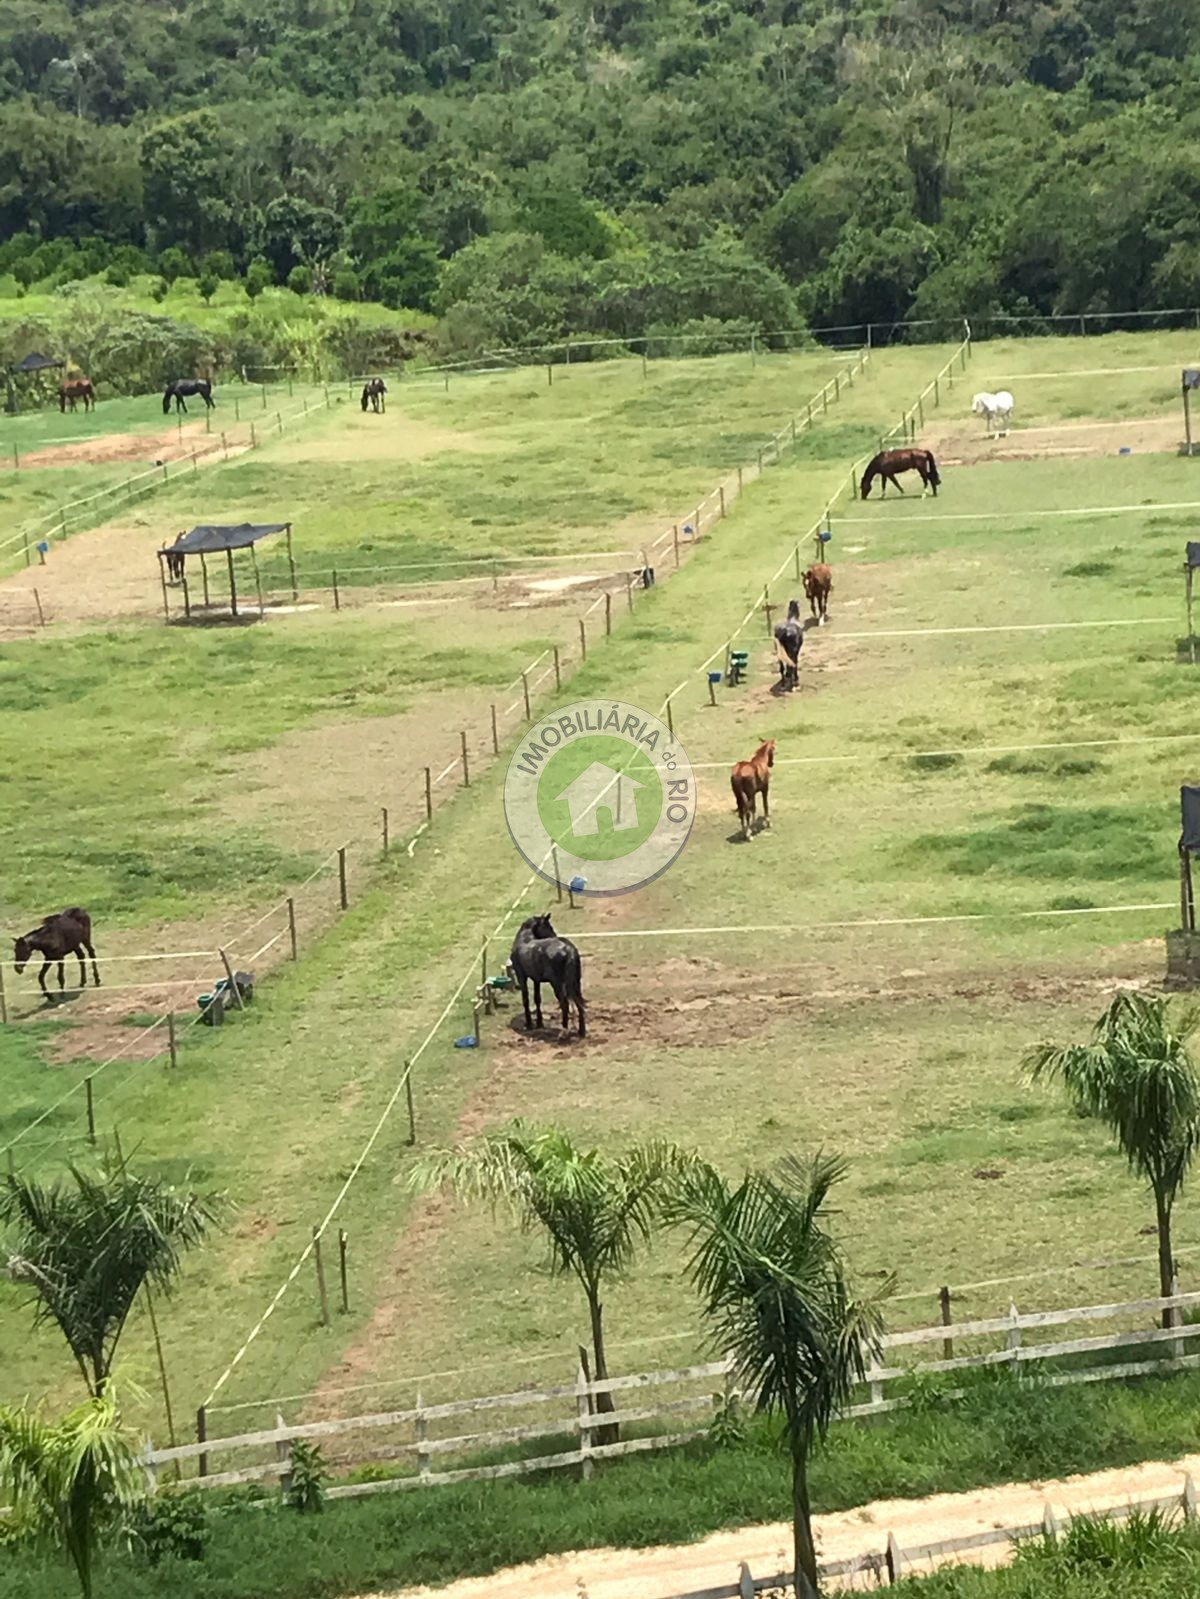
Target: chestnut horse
(73, 389)
(818, 586)
(889, 462)
(750, 778)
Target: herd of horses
(72, 390)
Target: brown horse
(818, 586)
(175, 560)
(750, 778)
(72, 390)
(65, 933)
(889, 462)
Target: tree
(258, 278)
(69, 1482)
(346, 285)
(207, 285)
(1138, 1078)
(86, 1247)
(173, 264)
(218, 264)
(299, 280)
(187, 180)
(593, 1208)
(297, 233)
(773, 1285)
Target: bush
(299, 280)
(207, 285)
(346, 285)
(173, 263)
(218, 264)
(159, 290)
(117, 277)
(307, 1477)
(258, 278)
(170, 1526)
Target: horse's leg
(42, 975)
(766, 807)
(62, 982)
(82, 966)
(565, 1002)
(525, 1000)
(95, 968)
(537, 1002)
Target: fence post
(607, 625)
(202, 1438)
(745, 1582)
(796, 556)
(675, 542)
(894, 1557)
(429, 794)
(629, 593)
(495, 734)
(584, 1418)
(384, 813)
(253, 438)
(291, 905)
(171, 1037)
(91, 1111)
(343, 1242)
(337, 598)
(1177, 1350)
(3, 999)
(739, 480)
(421, 1429)
(947, 1343)
(1049, 1523)
(721, 493)
(557, 875)
(557, 669)
(321, 1290)
(670, 720)
(582, 639)
(283, 1453)
(342, 877)
(1189, 1498)
(876, 1385)
(412, 1118)
(234, 990)
(525, 692)
(1014, 1334)
(466, 765)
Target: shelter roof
(210, 540)
(1193, 553)
(34, 362)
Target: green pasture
(900, 1045)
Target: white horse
(998, 408)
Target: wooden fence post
(429, 794)
(202, 1438)
(342, 895)
(171, 1037)
(412, 1118)
(1049, 1523)
(739, 480)
(1177, 1349)
(721, 494)
(607, 618)
(894, 1558)
(629, 593)
(343, 1242)
(91, 1111)
(421, 1433)
(466, 764)
(495, 733)
(3, 999)
(947, 1343)
(582, 639)
(337, 598)
(321, 1289)
(383, 810)
(234, 991)
(283, 1454)
(1014, 1333)
(525, 692)
(557, 875)
(583, 1420)
(1189, 1498)
(670, 720)
(291, 908)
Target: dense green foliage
(244, 1548)
(611, 167)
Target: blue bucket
(1124, 450)
(467, 1041)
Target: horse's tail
(935, 476)
(574, 985)
(167, 400)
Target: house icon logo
(600, 790)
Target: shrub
(172, 264)
(159, 290)
(299, 280)
(207, 284)
(258, 278)
(307, 1477)
(173, 1525)
(346, 285)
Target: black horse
(540, 956)
(175, 559)
(184, 386)
(65, 933)
(373, 395)
(789, 641)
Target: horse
(818, 586)
(65, 933)
(888, 462)
(373, 394)
(175, 559)
(539, 956)
(998, 408)
(789, 641)
(750, 778)
(73, 389)
(181, 387)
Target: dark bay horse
(818, 586)
(540, 956)
(65, 933)
(181, 387)
(789, 641)
(749, 779)
(373, 395)
(72, 390)
(175, 559)
(889, 462)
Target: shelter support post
(204, 576)
(257, 581)
(1187, 419)
(292, 562)
(233, 610)
(162, 577)
(1187, 898)
(187, 602)
(1191, 619)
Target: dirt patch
(109, 448)
(967, 444)
(714, 1561)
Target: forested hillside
(527, 169)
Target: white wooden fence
(564, 1418)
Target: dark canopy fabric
(1189, 805)
(34, 362)
(211, 540)
(1191, 377)
(1193, 553)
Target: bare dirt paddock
(967, 444)
(146, 448)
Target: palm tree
(773, 1286)
(88, 1245)
(69, 1482)
(1137, 1077)
(593, 1208)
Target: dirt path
(714, 1561)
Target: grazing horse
(998, 408)
(175, 560)
(65, 933)
(889, 462)
(72, 390)
(184, 386)
(373, 395)
(539, 956)
(789, 640)
(750, 778)
(818, 586)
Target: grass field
(898, 1044)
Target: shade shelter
(217, 540)
(30, 366)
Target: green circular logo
(600, 796)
